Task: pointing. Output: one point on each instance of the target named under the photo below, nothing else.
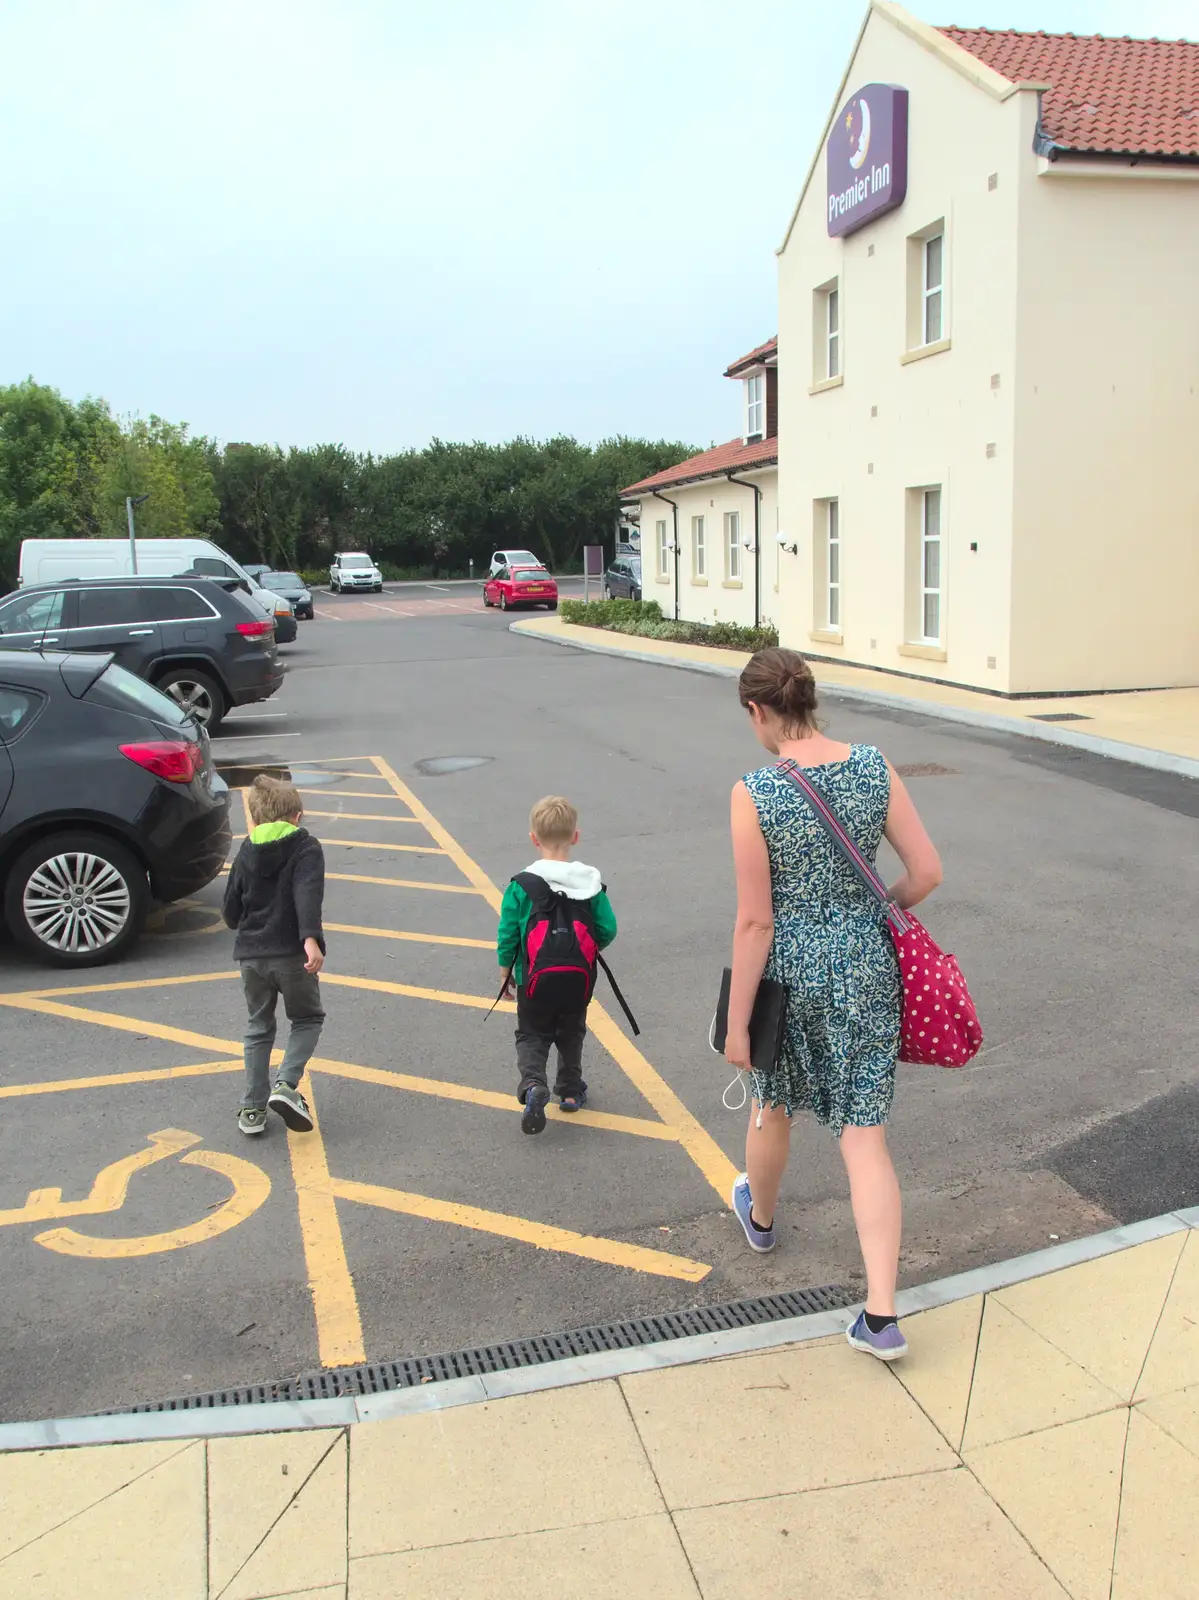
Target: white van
(52, 560)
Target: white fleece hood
(574, 879)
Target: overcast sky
(376, 221)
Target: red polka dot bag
(940, 1026)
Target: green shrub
(643, 619)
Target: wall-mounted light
(748, 544)
(785, 542)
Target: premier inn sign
(867, 158)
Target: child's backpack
(560, 954)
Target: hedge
(643, 619)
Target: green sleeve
(605, 920)
(508, 935)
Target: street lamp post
(130, 502)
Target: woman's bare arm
(906, 835)
(754, 928)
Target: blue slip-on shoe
(888, 1344)
(759, 1239)
(536, 1099)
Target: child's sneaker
(759, 1239)
(251, 1120)
(573, 1102)
(536, 1099)
(292, 1107)
(888, 1344)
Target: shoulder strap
(842, 841)
(624, 1005)
(534, 885)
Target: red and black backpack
(560, 951)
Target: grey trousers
(537, 1032)
(264, 981)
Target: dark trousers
(265, 981)
(537, 1029)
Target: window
(31, 613)
(17, 706)
(732, 546)
(663, 549)
(832, 331)
(930, 566)
(178, 605)
(755, 407)
(210, 567)
(125, 687)
(699, 558)
(832, 566)
(933, 288)
(109, 608)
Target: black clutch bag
(766, 1023)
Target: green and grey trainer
(292, 1107)
(251, 1120)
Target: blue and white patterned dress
(831, 946)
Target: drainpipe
(674, 506)
(745, 484)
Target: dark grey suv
(196, 639)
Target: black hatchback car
(197, 639)
(108, 799)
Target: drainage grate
(925, 769)
(381, 1376)
(1060, 716)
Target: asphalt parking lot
(152, 1250)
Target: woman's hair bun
(781, 681)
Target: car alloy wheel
(634, 594)
(194, 698)
(77, 898)
(503, 601)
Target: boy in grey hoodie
(554, 829)
(273, 899)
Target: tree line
(66, 468)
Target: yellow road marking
(449, 997)
(251, 1186)
(699, 1144)
(334, 1300)
(349, 794)
(112, 988)
(358, 816)
(202, 1069)
(374, 844)
(110, 1187)
(418, 938)
(612, 1252)
(402, 883)
(113, 1019)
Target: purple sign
(593, 560)
(867, 158)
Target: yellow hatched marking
(334, 1300)
(113, 988)
(202, 1069)
(694, 1137)
(418, 938)
(402, 883)
(349, 794)
(373, 844)
(358, 816)
(611, 1252)
(448, 997)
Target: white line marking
(261, 716)
(439, 586)
(230, 738)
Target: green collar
(268, 832)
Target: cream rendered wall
(891, 426)
(713, 598)
(1106, 573)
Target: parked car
(255, 570)
(201, 642)
(286, 627)
(513, 558)
(353, 570)
(108, 799)
(622, 581)
(521, 586)
(293, 589)
(55, 560)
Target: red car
(521, 586)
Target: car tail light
(256, 630)
(176, 760)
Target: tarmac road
(181, 1256)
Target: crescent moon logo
(859, 156)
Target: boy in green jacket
(553, 1015)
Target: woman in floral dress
(805, 919)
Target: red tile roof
(1109, 96)
(736, 456)
(762, 356)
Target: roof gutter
(674, 506)
(744, 483)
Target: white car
(513, 558)
(353, 570)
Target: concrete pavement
(1040, 1440)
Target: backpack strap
(624, 1005)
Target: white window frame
(663, 549)
(932, 295)
(832, 332)
(732, 546)
(755, 406)
(931, 536)
(832, 566)
(699, 552)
